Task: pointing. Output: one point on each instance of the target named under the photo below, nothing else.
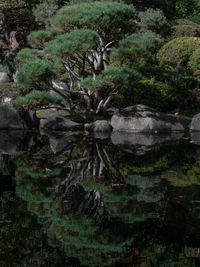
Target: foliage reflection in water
(74, 200)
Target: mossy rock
(185, 31)
(176, 53)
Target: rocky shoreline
(134, 119)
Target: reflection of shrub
(176, 53)
(185, 31)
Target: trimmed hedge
(185, 31)
(176, 53)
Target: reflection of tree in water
(87, 205)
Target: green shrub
(35, 74)
(45, 11)
(37, 99)
(108, 18)
(176, 53)
(38, 38)
(26, 55)
(77, 41)
(153, 20)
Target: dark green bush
(35, 74)
(10, 63)
(38, 38)
(158, 88)
(195, 18)
(137, 46)
(153, 20)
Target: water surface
(73, 200)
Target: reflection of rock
(59, 123)
(195, 136)
(4, 78)
(10, 118)
(15, 142)
(195, 124)
(2, 161)
(58, 141)
(101, 135)
(98, 127)
(141, 118)
(140, 144)
(101, 126)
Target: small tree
(79, 53)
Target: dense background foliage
(102, 54)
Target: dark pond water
(74, 200)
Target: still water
(67, 199)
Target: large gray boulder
(141, 118)
(10, 118)
(195, 123)
(4, 78)
(59, 123)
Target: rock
(4, 78)
(101, 135)
(30, 118)
(195, 137)
(16, 142)
(59, 142)
(59, 123)
(141, 143)
(98, 126)
(10, 118)
(13, 41)
(141, 118)
(7, 100)
(89, 127)
(101, 126)
(195, 123)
